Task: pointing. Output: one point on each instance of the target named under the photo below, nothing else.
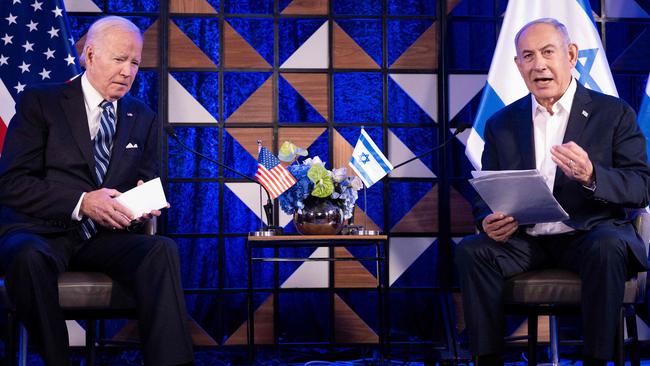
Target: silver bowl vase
(320, 216)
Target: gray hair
(561, 28)
(104, 26)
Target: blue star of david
(364, 158)
(584, 69)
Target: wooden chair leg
(532, 339)
(633, 334)
(619, 349)
(10, 345)
(90, 342)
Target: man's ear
(573, 53)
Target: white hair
(104, 26)
(561, 28)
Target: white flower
(339, 174)
(356, 183)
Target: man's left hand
(151, 214)
(574, 162)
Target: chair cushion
(552, 286)
(85, 290)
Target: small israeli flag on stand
(505, 85)
(644, 116)
(368, 161)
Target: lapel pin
(584, 113)
(129, 114)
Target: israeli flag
(505, 85)
(644, 116)
(368, 161)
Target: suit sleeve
(627, 181)
(149, 164)
(489, 161)
(22, 164)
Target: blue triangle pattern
(234, 155)
(367, 33)
(419, 273)
(204, 87)
(402, 109)
(240, 218)
(419, 140)
(401, 34)
(293, 107)
(403, 196)
(364, 304)
(204, 32)
(365, 252)
(241, 85)
(292, 33)
(258, 33)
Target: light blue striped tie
(102, 147)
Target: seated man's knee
(470, 249)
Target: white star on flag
(36, 5)
(32, 26)
(24, 67)
(20, 68)
(7, 39)
(53, 32)
(49, 53)
(45, 74)
(28, 46)
(11, 19)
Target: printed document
(522, 194)
(144, 198)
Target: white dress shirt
(548, 131)
(92, 101)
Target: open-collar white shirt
(548, 130)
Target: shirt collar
(565, 102)
(91, 96)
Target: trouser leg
(600, 257)
(483, 264)
(32, 264)
(150, 266)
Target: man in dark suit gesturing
(591, 153)
(70, 150)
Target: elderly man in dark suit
(64, 162)
(592, 155)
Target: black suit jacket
(47, 161)
(603, 126)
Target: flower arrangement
(314, 180)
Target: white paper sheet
(522, 194)
(144, 198)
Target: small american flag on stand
(272, 175)
(35, 47)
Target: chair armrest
(151, 226)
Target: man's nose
(539, 63)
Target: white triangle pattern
(422, 88)
(310, 274)
(183, 107)
(81, 6)
(403, 252)
(462, 88)
(249, 194)
(399, 152)
(313, 54)
(76, 334)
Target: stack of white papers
(522, 194)
(144, 198)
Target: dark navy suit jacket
(47, 160)
(606, 128)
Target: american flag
(272, 175)
(35, 47)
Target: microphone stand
(460, 129)
(271, 230)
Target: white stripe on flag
(8, 105)
(505, 85)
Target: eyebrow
(542, 48)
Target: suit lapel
(75, 113)
(125, 121)
(524, 128)
(578, 118)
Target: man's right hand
(102, 208)
(499, 227)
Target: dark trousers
(147, 264)
(599, 256)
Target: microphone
(462, 127)
(268, 207)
